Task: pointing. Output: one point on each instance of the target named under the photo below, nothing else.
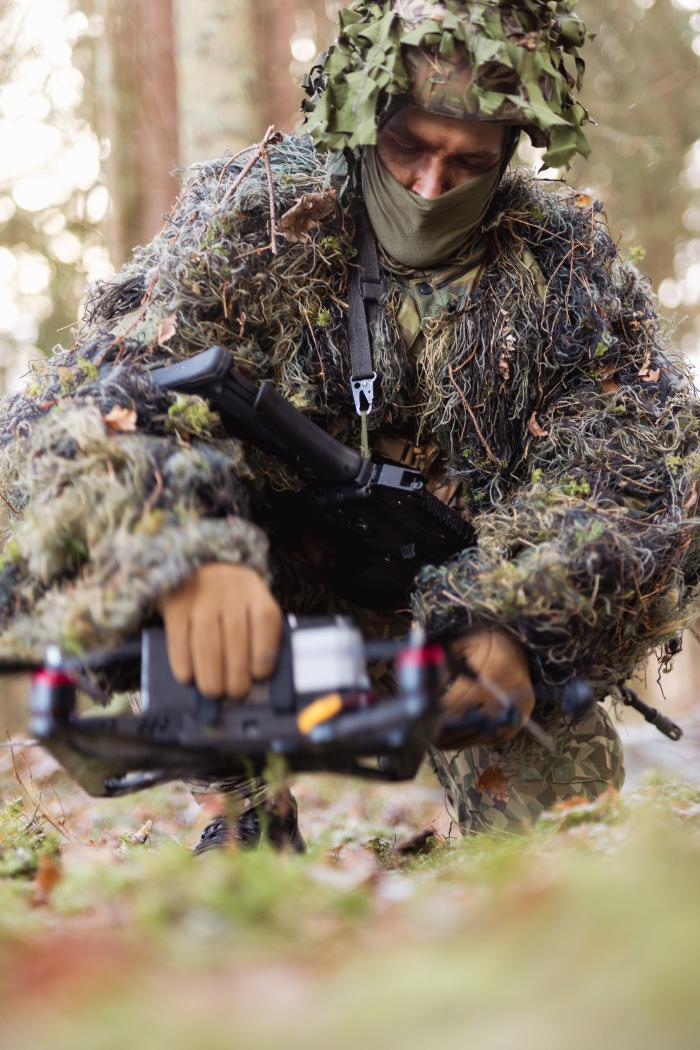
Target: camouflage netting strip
(517, 50)
(593, 559)
(105, 515)
(111, 522)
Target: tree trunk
(137, 115)
(158, 126)
(276, 25)
(221, 82)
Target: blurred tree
(643, 87)
(50, 199)
(276, 26)
(223, 74)
(136, 112)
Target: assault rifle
(377, 517)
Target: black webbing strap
(364, 291)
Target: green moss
(13, 552)
(330, 244)
(324, 317)
(23, 841)
(636, 253)
(88, 368)
(191, 415)
(575, 487)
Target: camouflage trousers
(506, 789)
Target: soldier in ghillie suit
(521, 365)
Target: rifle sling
(365, 288)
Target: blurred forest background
(100, 100)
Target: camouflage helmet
(512, 61)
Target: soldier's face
(430, 154)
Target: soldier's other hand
(223, 629)
(495, 656)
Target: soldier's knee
(508, 790)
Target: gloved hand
(223, 629)
(494, 655)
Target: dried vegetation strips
(571, 432)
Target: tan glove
(223, 629)
(495, 656)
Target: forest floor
(585, 933)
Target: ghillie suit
(571, 434)
(555, 415)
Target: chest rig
(365, 289)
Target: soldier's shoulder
(548, 204)
(557, 222)
(243, 178)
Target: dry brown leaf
(140, 837)
(573, 802)
(647, 373)
(493, 780)
(65, 376)
(583, 201)
(692, 497)
(609, 386)
(167, 327)
(534, 427)
(530, 41)
(121, 419)
(48, 874)
(306, 215)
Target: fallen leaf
(167, 327)
(493, 780)
(646, 373)
(534, 427)
(530, 41)
(573, 802)
(121, 419)
(692, 497)
(609, 386)
(140, 837)
(48, 874)
(306, 215)
(503, 366)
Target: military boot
(274, 822)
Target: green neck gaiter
(421, 233)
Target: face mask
(421, 233)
